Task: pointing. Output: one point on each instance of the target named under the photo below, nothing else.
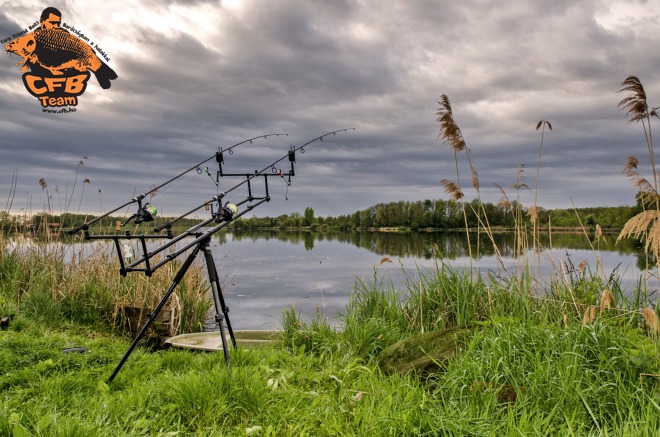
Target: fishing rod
(224, 215)
(147, 212)
(291, 155)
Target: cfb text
(56, 91)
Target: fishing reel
(228, 212)
(224, 213)
(146, 213)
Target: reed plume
(589, 315)
(598, 234)
(385, 259)
(643, 186)
(521, 236)
(520, 177)
(504, 201)
(449, 131)
(540, 125)
(651, 319)
(638, 110)
(533, 212)
(645, 225)
(606, 299)
(475, 177)
(44, 186)
(636, 103)
(452, 189)
(451, 135)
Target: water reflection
(267, 271)
(448, 245)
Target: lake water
(265, 272)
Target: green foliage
(564, 381)
(532, 365)
(442, 214)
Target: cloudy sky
(198, 75)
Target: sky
(195, 76)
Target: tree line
(432, 214)
(444, 215)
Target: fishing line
(225, 213)
(208, 173)
(138, 199)
(291, 155)
(172, 187)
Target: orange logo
(59, 61)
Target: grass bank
(573, 381)
(529, 366)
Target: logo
(58, 62)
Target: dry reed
(645, 225)
(651, 319)
(589, 315)
(606, 299)
(452, 189)
(449, 131)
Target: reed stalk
(533, 211)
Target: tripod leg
(180, 274)
(221, 310)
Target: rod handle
(84, 226)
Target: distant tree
(308, 217)
(355, 219)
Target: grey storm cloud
(196, 76)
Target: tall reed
(51, 281)
(644, 226)
(534, 209)
(451, 135)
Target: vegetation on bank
(39, 222)
(427, 214)
(51, 281)
(579, 361)
(442, 215)
(413, 215)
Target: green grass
(564, 381)
(530, 367)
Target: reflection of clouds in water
(270, 275)
(264, 312)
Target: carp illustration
(56, 50)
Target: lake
(265, 272)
